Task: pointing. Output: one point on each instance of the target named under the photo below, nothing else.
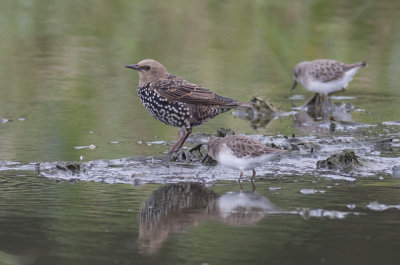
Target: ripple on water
(376, 206)
(311, 191)
(92, 146)
(351, 206)
(2, 120)
(297, 97)
(322, 213)
(337, 177)
(391, 123)
(342, 97)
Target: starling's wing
(328, 70)
(175, 88)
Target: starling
(177, 102)
(325, 76)
(240, 152)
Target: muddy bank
(373, 160)
(371, 151)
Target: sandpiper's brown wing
(175, 88)
(327, 70)
(244, 146)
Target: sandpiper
(325, 76)
(240, 152)
(177, 102)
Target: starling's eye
(146, 67)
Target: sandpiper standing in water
(240, 152)
(325, 76)
(176, 102)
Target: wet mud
(333, 146)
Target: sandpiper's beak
(133, 66)
(294, 85)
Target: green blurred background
(62, 66)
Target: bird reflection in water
(175, 208)
(325, 118)
(243, 208)
(262, 113)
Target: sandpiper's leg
(337, 91)
(241, 174)
(323, 101)
(312, 102)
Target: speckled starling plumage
(325, 76)
(177, 102)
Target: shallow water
(65, 95)
(59, 222)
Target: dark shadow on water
(262, 113)
(321, 107)
(322, 116)
(175, 208)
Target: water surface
(65, 95)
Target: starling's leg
(181, 132)
(184, 138)
(183, 135)
(241, 174)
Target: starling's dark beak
(133, 66)
(294, 85)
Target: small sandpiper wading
(325, 76)
(240, 152)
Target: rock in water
(345, 161)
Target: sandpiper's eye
(146, 67)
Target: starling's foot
(181, 155)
